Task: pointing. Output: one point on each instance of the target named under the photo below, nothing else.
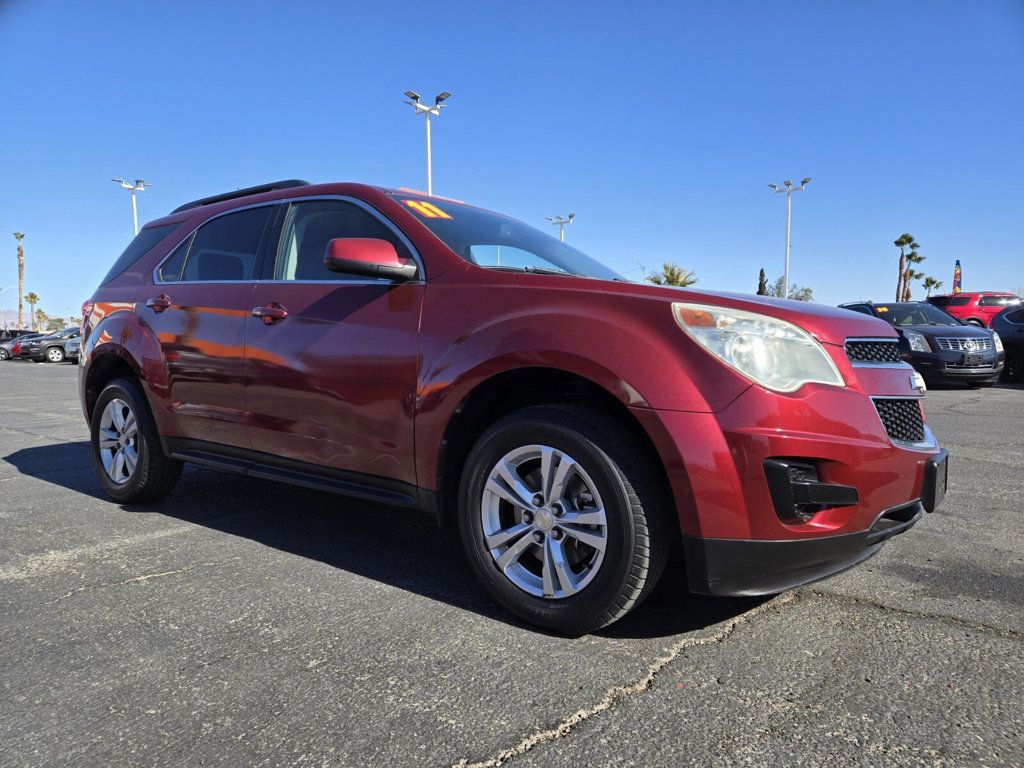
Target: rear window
(949, 301)
(137, 248)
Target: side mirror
(367, 256)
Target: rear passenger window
(170, 270)
(225, 249)
(308, 228)
(862, 308)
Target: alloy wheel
(118, 441)
(544, 522)
(54, 355)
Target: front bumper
(750, 567)
(948, 367)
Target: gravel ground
(240, 622)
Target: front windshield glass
(914, 314)
(494, 241)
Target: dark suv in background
(49, 348)
(941, 348)
(1009, 327)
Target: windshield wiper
(535, 270)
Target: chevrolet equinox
(423, 353)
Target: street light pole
(560, 222)
(427, 111)
(3, 315)
(139, 186)
(789, 189)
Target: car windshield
(494, 241)
(914, 314)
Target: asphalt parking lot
(240, 622)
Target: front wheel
(1013, 368)
(55, 355)
(562, 518)
(4, 354)
(130, 463)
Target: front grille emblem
(971, 345)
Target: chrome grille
(902, 418)
(959, 344)
(873, 351)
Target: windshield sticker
(428, 210)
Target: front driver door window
(332, 382)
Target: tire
(4, 354)
(1013, 367)
(54, 355)
(975, 323)
(592, 588)
(151, 474)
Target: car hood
(827, 324)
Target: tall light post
(789, 189)
(3, 315)
(139, 186)
(560, 222)
(427, 111)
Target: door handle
(159, 303)
(270, 314)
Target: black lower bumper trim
(751, 567)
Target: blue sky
(659, 124)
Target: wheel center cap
(544, 519)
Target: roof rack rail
(259, 189)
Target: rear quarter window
(142, 244)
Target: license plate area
(972, 361)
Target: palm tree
(32, 300)
(904, 241)
(762, 284)
(912, 258)
(673, 274)
(931, 284)
(19, 236)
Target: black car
(1009, 327)
(49, 348)
(12, 338)
(941, 348)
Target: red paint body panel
(974, 310)
(366, 377)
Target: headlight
(998, 342)
(917, 341)
(770, 352)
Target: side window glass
(170, 270)
(226, 248)
(863, 309)
(308, 227)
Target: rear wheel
(55, 355)
(559, 524)
(4, 354)
(975, 323)
(130, 463)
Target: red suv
(975, 308)
(427, 354)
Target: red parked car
(975, 308)
(577, 427)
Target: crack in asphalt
(136, 579)
(836, 597)
(617, 693)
